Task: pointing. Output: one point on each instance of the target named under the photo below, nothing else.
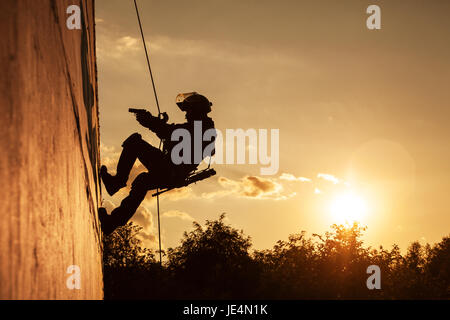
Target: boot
(112, 183)
(105, 221)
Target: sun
(348, 207)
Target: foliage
(126, 264)
(214, 262)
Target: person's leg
(133, 148)
(153, 159)
(122, 214)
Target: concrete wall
(49, 152)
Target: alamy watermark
(73, 22)
(74, 280)
(374, 281)
(373, 22)
(257, 147)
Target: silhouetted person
(159, 163)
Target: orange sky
(369, 108)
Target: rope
(146, 55)
(159, 113)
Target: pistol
(132, 110)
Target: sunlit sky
(363, 114)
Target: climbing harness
(191, 178)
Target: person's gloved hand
(144, 118)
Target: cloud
(291, 177)
(215, 194)
(108, 205)
(114, 46)
(106, 149)
(251, 187)
(109, 156)
(143, 217)
(328, 177)
(178, 194)
(255, 187)
(218, 50)
(127, 44)
(178, 214)
(172, 195)
(117, 48)
(148, 240)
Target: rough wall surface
(49, 142)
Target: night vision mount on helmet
(193, 102)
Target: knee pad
(132, 140)
(142, 182)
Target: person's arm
(159, 126)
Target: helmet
(194, 102)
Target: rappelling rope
(159, 113)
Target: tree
(130, 271)
(212, 262)
(122, 248)
(437, 269)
